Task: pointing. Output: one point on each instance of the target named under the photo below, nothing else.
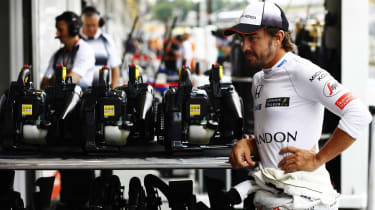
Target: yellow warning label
(63, 73)
(109, 110)
(221, 71)
(27, 109)
(136, 72)
(195, 109)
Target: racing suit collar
(278, 65)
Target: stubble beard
(260, 60)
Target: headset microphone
(57, 37)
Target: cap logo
(249, 16)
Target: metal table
(132, 157)
(114, 163)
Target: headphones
(73, 21)
(92, 10)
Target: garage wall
(355, 64)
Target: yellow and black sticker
(221, 71)
(109, 110)
(27, 109)
(63, 73)
(195, 109)
(136, 72)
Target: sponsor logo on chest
(277, 102)
(278, 137)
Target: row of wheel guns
(105, 119)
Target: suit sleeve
(84, 60)
(317, 85)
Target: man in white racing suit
(290, 94)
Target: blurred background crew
(187, 51)
(172, 54)
(103, 45)
(76, 55)
(223, 45)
